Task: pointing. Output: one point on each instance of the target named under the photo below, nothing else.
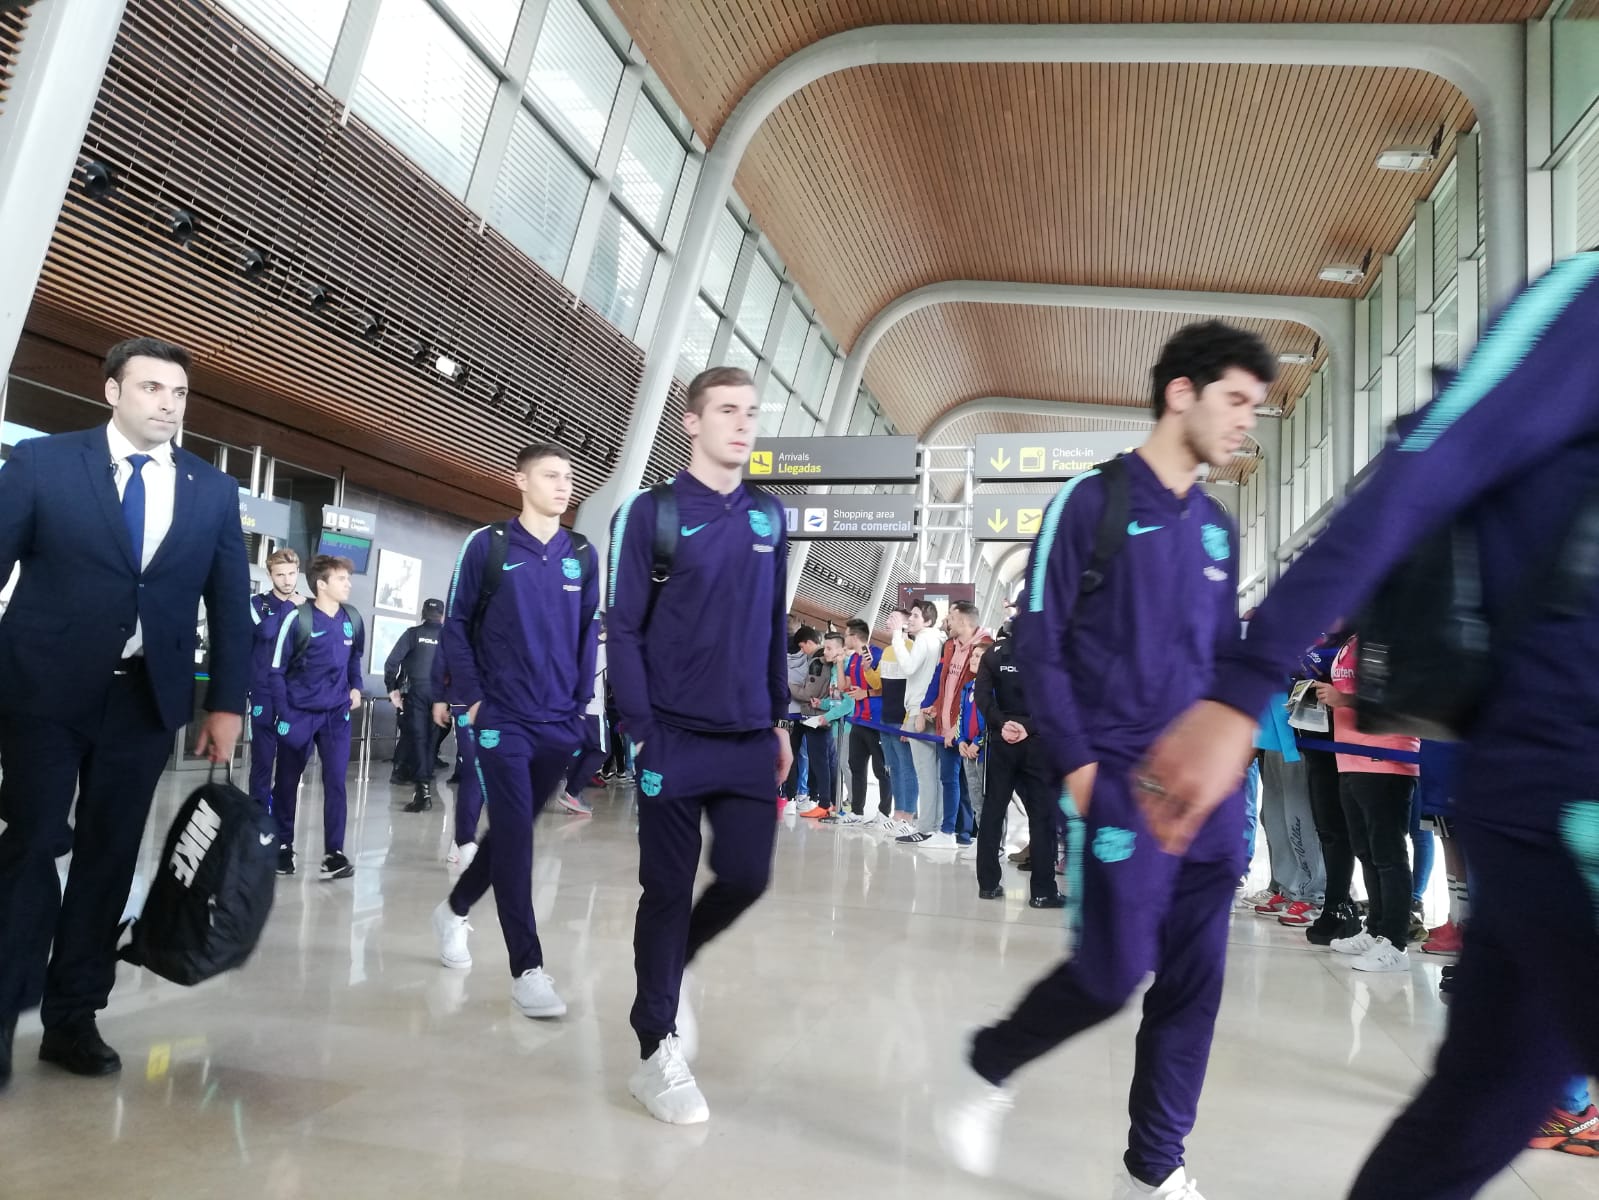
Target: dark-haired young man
(1107, 668)
(120, 534)
(523, 663)
(699, 666)
(316, 685)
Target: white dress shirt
(160, 493)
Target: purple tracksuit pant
(1522, 1015)
(263, 746)
(519, 765)
(330, 732)
(730, 780)
(468, 782)
(1135, 909)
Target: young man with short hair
(1112, 655)
(942, 703)
(267, 610)
(316, 685)
(521, 638)
(703, 701)
(809, 673)
(864, 685)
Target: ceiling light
(98, 179)
(317, 296)
(371, 325)
(1268, 411)
(183, 225)
(1341, 273)
(419, 353)
(252, 263)
(1295, 358)
(587, 447)
(559, 431)
(1411, 158)
(449, 368)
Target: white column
(349, 52)
(66, 45)
(1466, 303)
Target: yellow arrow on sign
(1000, 461)
(998, 523)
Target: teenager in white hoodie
(917, 648)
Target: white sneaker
(970, 1126)
(1383, 956)
(804, 805)
(688, 1025)
(533, 992)
(1253, 898)
(1177, 1187)
(451, 931)
(665, 1086)
(939, 841)
(1360, 944)
(851, 818)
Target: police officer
(408, 675)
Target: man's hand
(441, 715)
(857, 694)
(1196, 764)
(471, 719)
(968, 750)
(1080, 783)
(397, 699)
(355, 699)
(785, 755)
(219, 734)
(1013, 732)
(896, 622)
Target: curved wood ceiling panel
(710, 52)
(944, 356)
(1227, 178)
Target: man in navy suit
(120, 534)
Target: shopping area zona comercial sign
(886, 518)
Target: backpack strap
(302, 633)
(353, 616)
(663, 551)
(1111, 534)
(493, 572)
(589, 561)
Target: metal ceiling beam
(1054, 410)
(1486, 62)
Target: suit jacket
(81, 591)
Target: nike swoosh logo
(267, 838)
(1134, 528)
(320, 633)
(512, 566)
(687, 532)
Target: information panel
(813, 517)
(883, 459)
(1048, 456)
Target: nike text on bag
(1427, 640)
(212, 892)
(494, 570)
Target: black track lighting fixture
(497, 397)
(99, 180)
(419, 353)
(610, 455)
(587, 448)
(182, 225)
(318, 296)
(253, 263)
(371, 326)
(530, 414)
(559, 431)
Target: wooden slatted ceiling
(196, 113)
(944, 356)
(710, 52)
(1227, 178)
(12, 22)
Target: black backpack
(303, 629)
(212, 892)
(663, 549)
(494, 573)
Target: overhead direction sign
(1047, 456)
(1008, 516)
(881, 459)
(876, 518)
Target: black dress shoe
(8, 1031)
(1055, 901)
(79, 1049)
(991, 893)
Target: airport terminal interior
(946, 240)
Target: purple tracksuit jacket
(330, 670)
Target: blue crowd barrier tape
(1402, 756)
(895, 729)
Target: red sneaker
(1299, 913)
(1570, 1133)
(1446, 939)
(1274, 907)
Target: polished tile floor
(344, 1061)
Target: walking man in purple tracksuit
(699, 667)
(316, 684)
(1512, 444)
(1109, 665)
(523, 664)
(266, 611)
